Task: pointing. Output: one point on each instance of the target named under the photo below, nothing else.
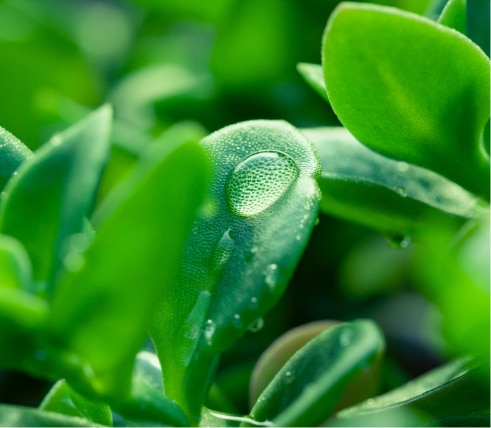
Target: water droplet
(402, 166)
(253, 304)
(256, 325)
(251, 254)
(397, 240)
(259, 181)
(56, 140)
(316, 221)
(209, 330)
(271, 277)
(236, 321)
(345, 338)
(189, 331)
(289, 377)
(223, 251)
(401, 191)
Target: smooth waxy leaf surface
(45, 203)
(63, 399)
(243, 249)
(12, 154)
(392, 196)
(443, 392)
(425, 103)
(308, 387)
(115, 285)
(14, 416)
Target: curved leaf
(314, 76)
(442, 393)
(117, 283)
(15, 266)
(63, 399)
(426, 103)
(16, 416)
(394, 197)
(47, 200)
(12, 154)
(454, 15)
(242, 251)
(308, 387)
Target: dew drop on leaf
(271, 277)
(223, 251)
(253, 305)
(236, 321)
(256, 325)
(259, 181)
(397, 240)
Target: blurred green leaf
(425, 103)
(308, 387)
(45, 203)
(12, 154)
(454, 15)
(15, 266)
(243, 250)
(147, 406)
(63, 399)
(456, 279)
(117, 283)
(16, 416)
(397, 198)
(314, 76)
(443, 392)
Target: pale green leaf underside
(314, 76)
(392, 196)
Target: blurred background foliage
(206, 65)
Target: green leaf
(15, 266)
(243, 249)
(314, 76)
(16, 416)
(425, 103)
(394, 197)
(122, 277)
(308, 387)
(444, 392)
(63, 399)
(45, 203)
(12, 154)
(454, 15)
(147, 406)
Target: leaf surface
(307, 388)
(395, 197)
(116, 285)
(259, 213)
(45, 203)
(425, 103)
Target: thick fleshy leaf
(314, 76)
(16, 416)
(12, 154)
(123, 276)
(443, 392)
(63, 399)
(45, 203)
(454, 15)
(425, 103)
(397, 198)
(309, 386)
(243, 249)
